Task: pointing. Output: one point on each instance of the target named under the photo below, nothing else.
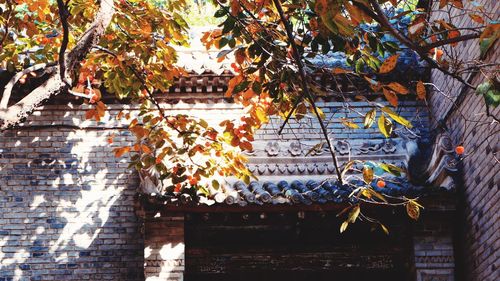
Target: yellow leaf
(347, 167)
(385, 126)
(390, 96)
(389, 64)
(384, 229)
(353, 215)
(370, 118)
(343, 227)
(397, 118)
(398, 88)
(367, 174)
(413, 209)
(349, 123)
(421, 93)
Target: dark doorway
(244, 247)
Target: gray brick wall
(469, 125)
(66, 204)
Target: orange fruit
(459, 150)
(381, 183)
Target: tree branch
(305, 87)
(450, 41)
(63, 15)
(8, 88)
(57, 83)
(380, 17)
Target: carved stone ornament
(272, 148)
(389, 146)
(295, 148)
(343, 147)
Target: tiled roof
(287, 193)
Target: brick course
(481, 224)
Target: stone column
(164, 247)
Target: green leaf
(370, 118)
(220, 13)
(257, 87)
(397, 118)
(385, 126)
(392, 169)
(215, 184)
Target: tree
(124, 48)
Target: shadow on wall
(66, 207)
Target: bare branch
(63, 15)
(305, 87)
(380, 17)
(8, 88)
(450, 41)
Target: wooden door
(283, 247)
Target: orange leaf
(398, 88)
(338, 70)
(122, 150)
(453, 34)
(477, 18)
(457, 3)
(145, 149)
(235, 7)
(90, 113)
(245, 145)
(390, 96)
(442, 3)
(389, 64)
(421, 93)
(240, 56)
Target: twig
(63, 15)
(305, 87)
(450, 41)
(8, 88)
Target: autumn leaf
(343, 227)
(477, 18)
(338, 70)
(389, 64)
(353, 214)
(390, 96)
(122, 150)
(385, 126)
(421, 93)
(398, 88)
(413, 209)
(370, 118)
(397, 117)
(384, 229)
(347, 167)
(346, 122)
(367, 174)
